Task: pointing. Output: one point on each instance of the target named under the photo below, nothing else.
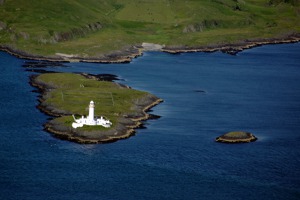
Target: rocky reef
(236, 137)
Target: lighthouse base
(96, 122)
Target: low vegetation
(92, 28)
(236, 134)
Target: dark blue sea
(174, 157)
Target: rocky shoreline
(234, 48)
(125, 128)
(126, 55)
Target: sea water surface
(174, 157)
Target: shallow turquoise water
(175, 157)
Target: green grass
(73, 93)
(31, 25)
(236, 134)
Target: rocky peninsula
(61, 98)
(126, 55)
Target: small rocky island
(67, 94)
(236, 137)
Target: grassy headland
(66, 94)
(97, 28)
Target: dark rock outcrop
(76, 32)
(3, 25)
(199, 27)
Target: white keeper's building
(90, 120)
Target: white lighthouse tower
(90, 119)
(91, 112)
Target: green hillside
(95, 27)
